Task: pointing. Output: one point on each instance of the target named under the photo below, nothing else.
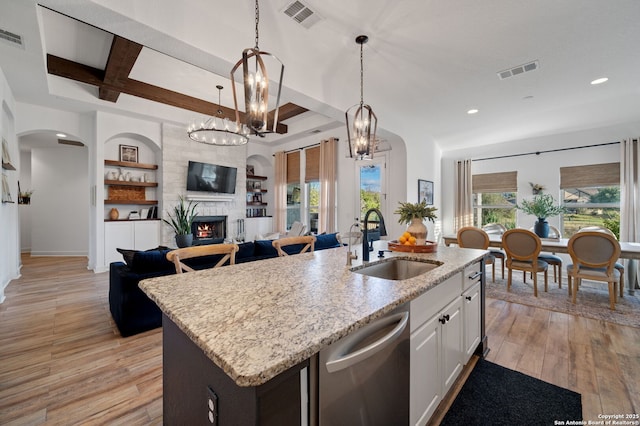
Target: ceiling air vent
(12, 38)
(520, 69)
(301, 13)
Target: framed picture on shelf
(257, 185)
(129, 153)
(250, 170)
(425, 191)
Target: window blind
(495, 182)
(293, 167)
(312, 167)
(607, 174)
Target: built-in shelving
(131, 191)
(255, 206)
(130, 164)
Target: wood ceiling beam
(95, 77)
(287, 111)
(122, 58)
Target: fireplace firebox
(209, 229)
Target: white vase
(418, 229)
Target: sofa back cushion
(151, 261)
(325, 241)
(264, 249)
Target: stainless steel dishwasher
(364, 377)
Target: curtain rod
(305, 147)
(546, 151)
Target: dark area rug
(494, 395)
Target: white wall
(543, 169)
(25, 209)
(9, 226)
(60, 214)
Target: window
(293, 188)
(494, 199)
(312, 187)
(591, 195)
(371, 186)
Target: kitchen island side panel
(188, 374)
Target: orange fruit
(402, 239)
(412, 240)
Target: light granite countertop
(257, 319)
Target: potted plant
(414, 215)
(181, 220)
(24, 197)
(542, 206)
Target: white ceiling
(427, 61)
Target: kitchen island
(258, 325)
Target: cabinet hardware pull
(468, 298)
(474, 276)
(442, 320)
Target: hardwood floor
(62, 360)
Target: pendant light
(255, 80)
(218, 130)
(361, 120)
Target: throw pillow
(325, 241)
(129, 255)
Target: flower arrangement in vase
(414, 215)
(542, 206)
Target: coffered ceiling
(426, 64)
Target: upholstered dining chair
(496, 229)
(522, 249)
(472, 237)
(619, 266)
(307, 243)
(228, 252)
(551, 258)
(594, 255)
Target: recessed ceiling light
(61, 135)
(472, 111)
(599, 80)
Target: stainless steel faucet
(365, 231)
(351, 256)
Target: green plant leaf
(409, 211)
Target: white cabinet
(134, 235)
(471, 311)
(445, 331)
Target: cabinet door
(425, 380)
(117, 235)
(471, 311)
(147, 234)
(452, 343)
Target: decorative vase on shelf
(418, 229)
(541, 228)
(114, 214)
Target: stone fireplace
(209, 229)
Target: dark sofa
(131, 309)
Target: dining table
(628, 250)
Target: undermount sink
(396, 268)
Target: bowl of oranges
(407, 243)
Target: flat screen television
(211, 178)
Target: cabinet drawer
(427, 305)
(471, 275)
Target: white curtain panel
(464, 196)
(280, 193)
(328, 159)
(630, 200)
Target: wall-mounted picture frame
(425, 191)
(250, 170)
(129, 153)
